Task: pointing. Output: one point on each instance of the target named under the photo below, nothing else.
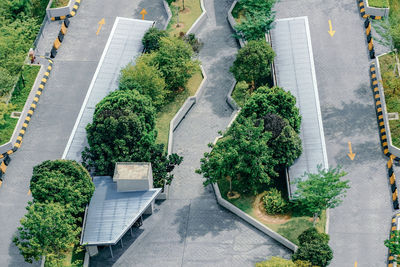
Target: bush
(152, 38)
(192, 41)
(314, 248)
(146, 79)
(241, 93)
(174, 60)
(253, 64)
(62, 181)
(275, 203)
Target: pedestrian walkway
(360, 225)
(190, 229)
(59, 105)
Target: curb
(60, 38)
(367, 25)
(71, 14)
(5, 156)
(363, 12)
(383, 137)
(199, 21)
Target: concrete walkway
(52, 122)
(190, 229)
(360, 225)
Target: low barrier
(169, 13)
(233, 23)
(370, 12)
(199, 21)
(60, 38)
(67, 11)
(370, 40)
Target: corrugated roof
(123, 46)
(294, 65)
(111, 213)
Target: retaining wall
(233, 23)
(375, 11)
(169, 13)
(199, 21)
(60, 11)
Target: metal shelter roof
(123, 46)
(294, 65)
(111, 214)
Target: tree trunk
(253, 86)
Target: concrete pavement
(360, 225)
(190, 228)
(52, 123)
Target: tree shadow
(16, 258)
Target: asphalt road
(59, 105)
(360, 225)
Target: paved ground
(190, 229)
(59, 105)
(358, 227)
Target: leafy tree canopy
(145, 78)
(174, 60)
(253, 63)
(152, 38)
(243, 155)
(46, 230)
(273, 100)
(393, 244)
(62, 181)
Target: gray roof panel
(294, 65)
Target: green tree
(62, 181)
(123, 131)
(152, 38)
(146, 79)
(174, 60)
(253, 64)
(319, 191)
(243, 156)
(393, 244)
(314, 248)
(46, 230)
(273, 100)
(6, 82)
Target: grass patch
(18, 99)
(186, 17)
(378, 3)
(290, 229)
(75, 258)
(387, 64)
(168, 111)
(241, 93)
(59, 3)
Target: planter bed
(187, 17)
(59, 3)
(378, 3)
(18, 99)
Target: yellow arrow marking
(351, 154)
(101, 23)
(143, 12)
(355, 264)
(1, 182)
(331, 32)
(29, 192)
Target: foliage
(123, 131)
(314, 248)
(146, 79)
(152, 38)
(273, 100)
(174, 60)
(391, 81)
(240, 94)
(275, 203)
(253, 63)
(393, 244)
(6, 82)
(320, 191)
(62, 181)
(192, 41)
(287, 146)
(258, 19)
(45, 230)
(5, 110)
(243, 155)
(280, 262)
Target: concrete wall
(9, 145)
(384, 12)
(199, 21)
(169, 13)
(60, 11)
(232, 22)
(392, 149)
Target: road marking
(101, 23)
(143, 12)
(331, 32)
(355, 264)
(1, 182)
(29, 192)
(351, 154)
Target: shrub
(146, 79)
(253, 64)
(241, 93)
(152, 38)
(275, 203)
(192, 41)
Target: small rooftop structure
(133, 176)
(294, 66)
